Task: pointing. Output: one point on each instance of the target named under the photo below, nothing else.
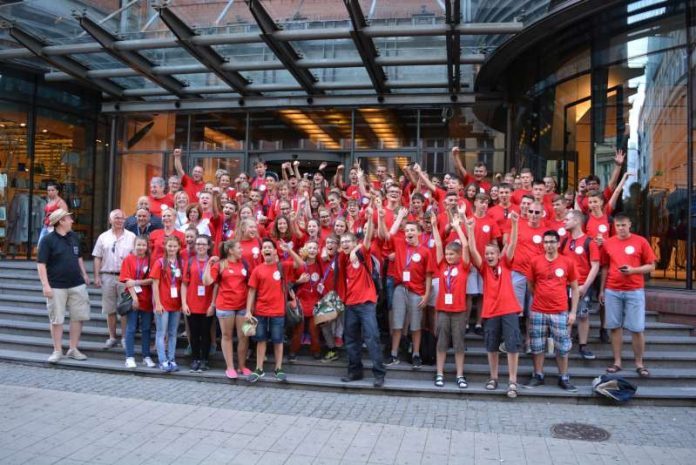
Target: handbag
(249, 327)
(293, 309)
(330, 305)
(125, 303)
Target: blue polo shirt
(61, 255)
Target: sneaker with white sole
(55, 356)
(75, 354)
(147, 361)
(110, 343)
(130, 362)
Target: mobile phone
(623, 268)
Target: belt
(110, 272)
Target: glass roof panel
(416, 11)
(276, 76)
(100, 60)
(411, 46)
(246, 52)
(169, 56)
(357, 75)
(417, 73)
(334, 48)
(284, 12)
(135, 82)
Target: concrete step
(648, 395)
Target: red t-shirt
(157, 238)
(516, 196)
(308, 293)
(156, 204)
(596, 226)
(558, 226)
(484, 185)
(575, 250)
(359, 288)
(551, 280)
(193, 277)
(414, 261)
(486, 231)
(169, 277)
(452, 281)
(498, 293)
(606, 194)
(232, 285)
(251, 252)
(500, 215)
(633, 251)
(192, 187)
(136, 268)
(530, 244)
(266, 279)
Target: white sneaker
(75, 354)
(130, 362)
(123, 342)
(147, 361)
(110, 343)
(55, 356)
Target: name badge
(406, 276)
(201, 291)
(320, 288)
(173, 292)
(137, 289)
(448, 299)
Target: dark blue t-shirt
(61, 255)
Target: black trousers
(199, 327)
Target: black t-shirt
(61, 255)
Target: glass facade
(620, 81)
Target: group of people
(531, 261)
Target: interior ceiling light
(381, 127)
(307, 125)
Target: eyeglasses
(324, 217)
(201, 244)
(550, 242)
(534, 212)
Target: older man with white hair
(111, 248)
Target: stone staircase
(670, 356)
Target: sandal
(643, 372)
(492, 384)
(512, 390)
(613, 369)
(461, 382)
(439, 380)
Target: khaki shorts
(111, 289)
(74, 299)
(451, 328)
(405, 309)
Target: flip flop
(643, 372)
(614, 369)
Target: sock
(394, 354)
(416, 354)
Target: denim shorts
(222, 314)
(503, 328)
(556, 324)
(625, 309)
(270, 326)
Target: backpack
(375, 273)
(428, 347)
(614, 387)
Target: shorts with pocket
(223, 314)
(270, 327)
(405, 304)
(451, 328)
(73, 301)
(503, 328)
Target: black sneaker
(292, 358)
(564, 383)
(534, 381)
(204, 365)
(391, 360)
(603, 336)
(195, 366)
(478, 330)
(256, 375)
(352, 377)
(587, 354)
(378, 382)
(280, 375)
(416, 361)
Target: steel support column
(135, 60)
(366, 47)
(453, 18)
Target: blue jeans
(145, 324)
(519, 284)
(362, 317)
(167, 324)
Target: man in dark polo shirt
(64, 281)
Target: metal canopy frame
(68, 65)
(453, 18)
(131, 58)
(366, 47)
(205, 54)
(283, 50)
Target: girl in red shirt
(159, 236)
(166, 287)
(308, 277)
(231, 276)
(135, 272)
(249, 239)
(197, 304)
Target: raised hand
(514, 216)
(323, 165)
(177, 152)
(619, 157)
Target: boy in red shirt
(549, 276)
(360, 296)
(626, 258)
(500, 307)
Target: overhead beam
(366, 47)
(205, 54)
(283, 50)
(290, 35)
(68, 65)
(130, 58)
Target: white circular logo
(365, 200)
(562, 231)
(500, 270)
(486, 228)
(559, 272)
(482, 190)
(177, 273)
(163, 207)
(603, 228)
(579, 250)
(291, 245)
(314, 277)
(630, 250)
(416, 257)
(244, 272)
(454, 272)
(536, 239)
(426, 195)
(431, 243)
(276, 275)
(255, 250)
(262, 187)
(355, 265)
(145, 269)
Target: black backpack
(428, 347)
(375, 273)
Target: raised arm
(297, 260)
(457, 225)
(619, 159)
(440, 253)
(515, 223)
(361, 182)
(369, 228)
(296, 167)
(338, 177)
(177, 164)
(397, 221)
(382, 232)
(473, 251)
(423, 177)
(458, 164)
(617, 192)
(207, 278)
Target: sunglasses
(534, 212)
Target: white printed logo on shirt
(244, 272)
(314, 277)
(486, 228)
(562, 231)
(255, 252)
(416, 257)
(276, 275)
(603, 228)
(454, 272)
(579, 250)
(262, 187)
(559, 272)
(630, 250)
(536, 239)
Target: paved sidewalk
(135, 420)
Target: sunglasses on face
(534, 212)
